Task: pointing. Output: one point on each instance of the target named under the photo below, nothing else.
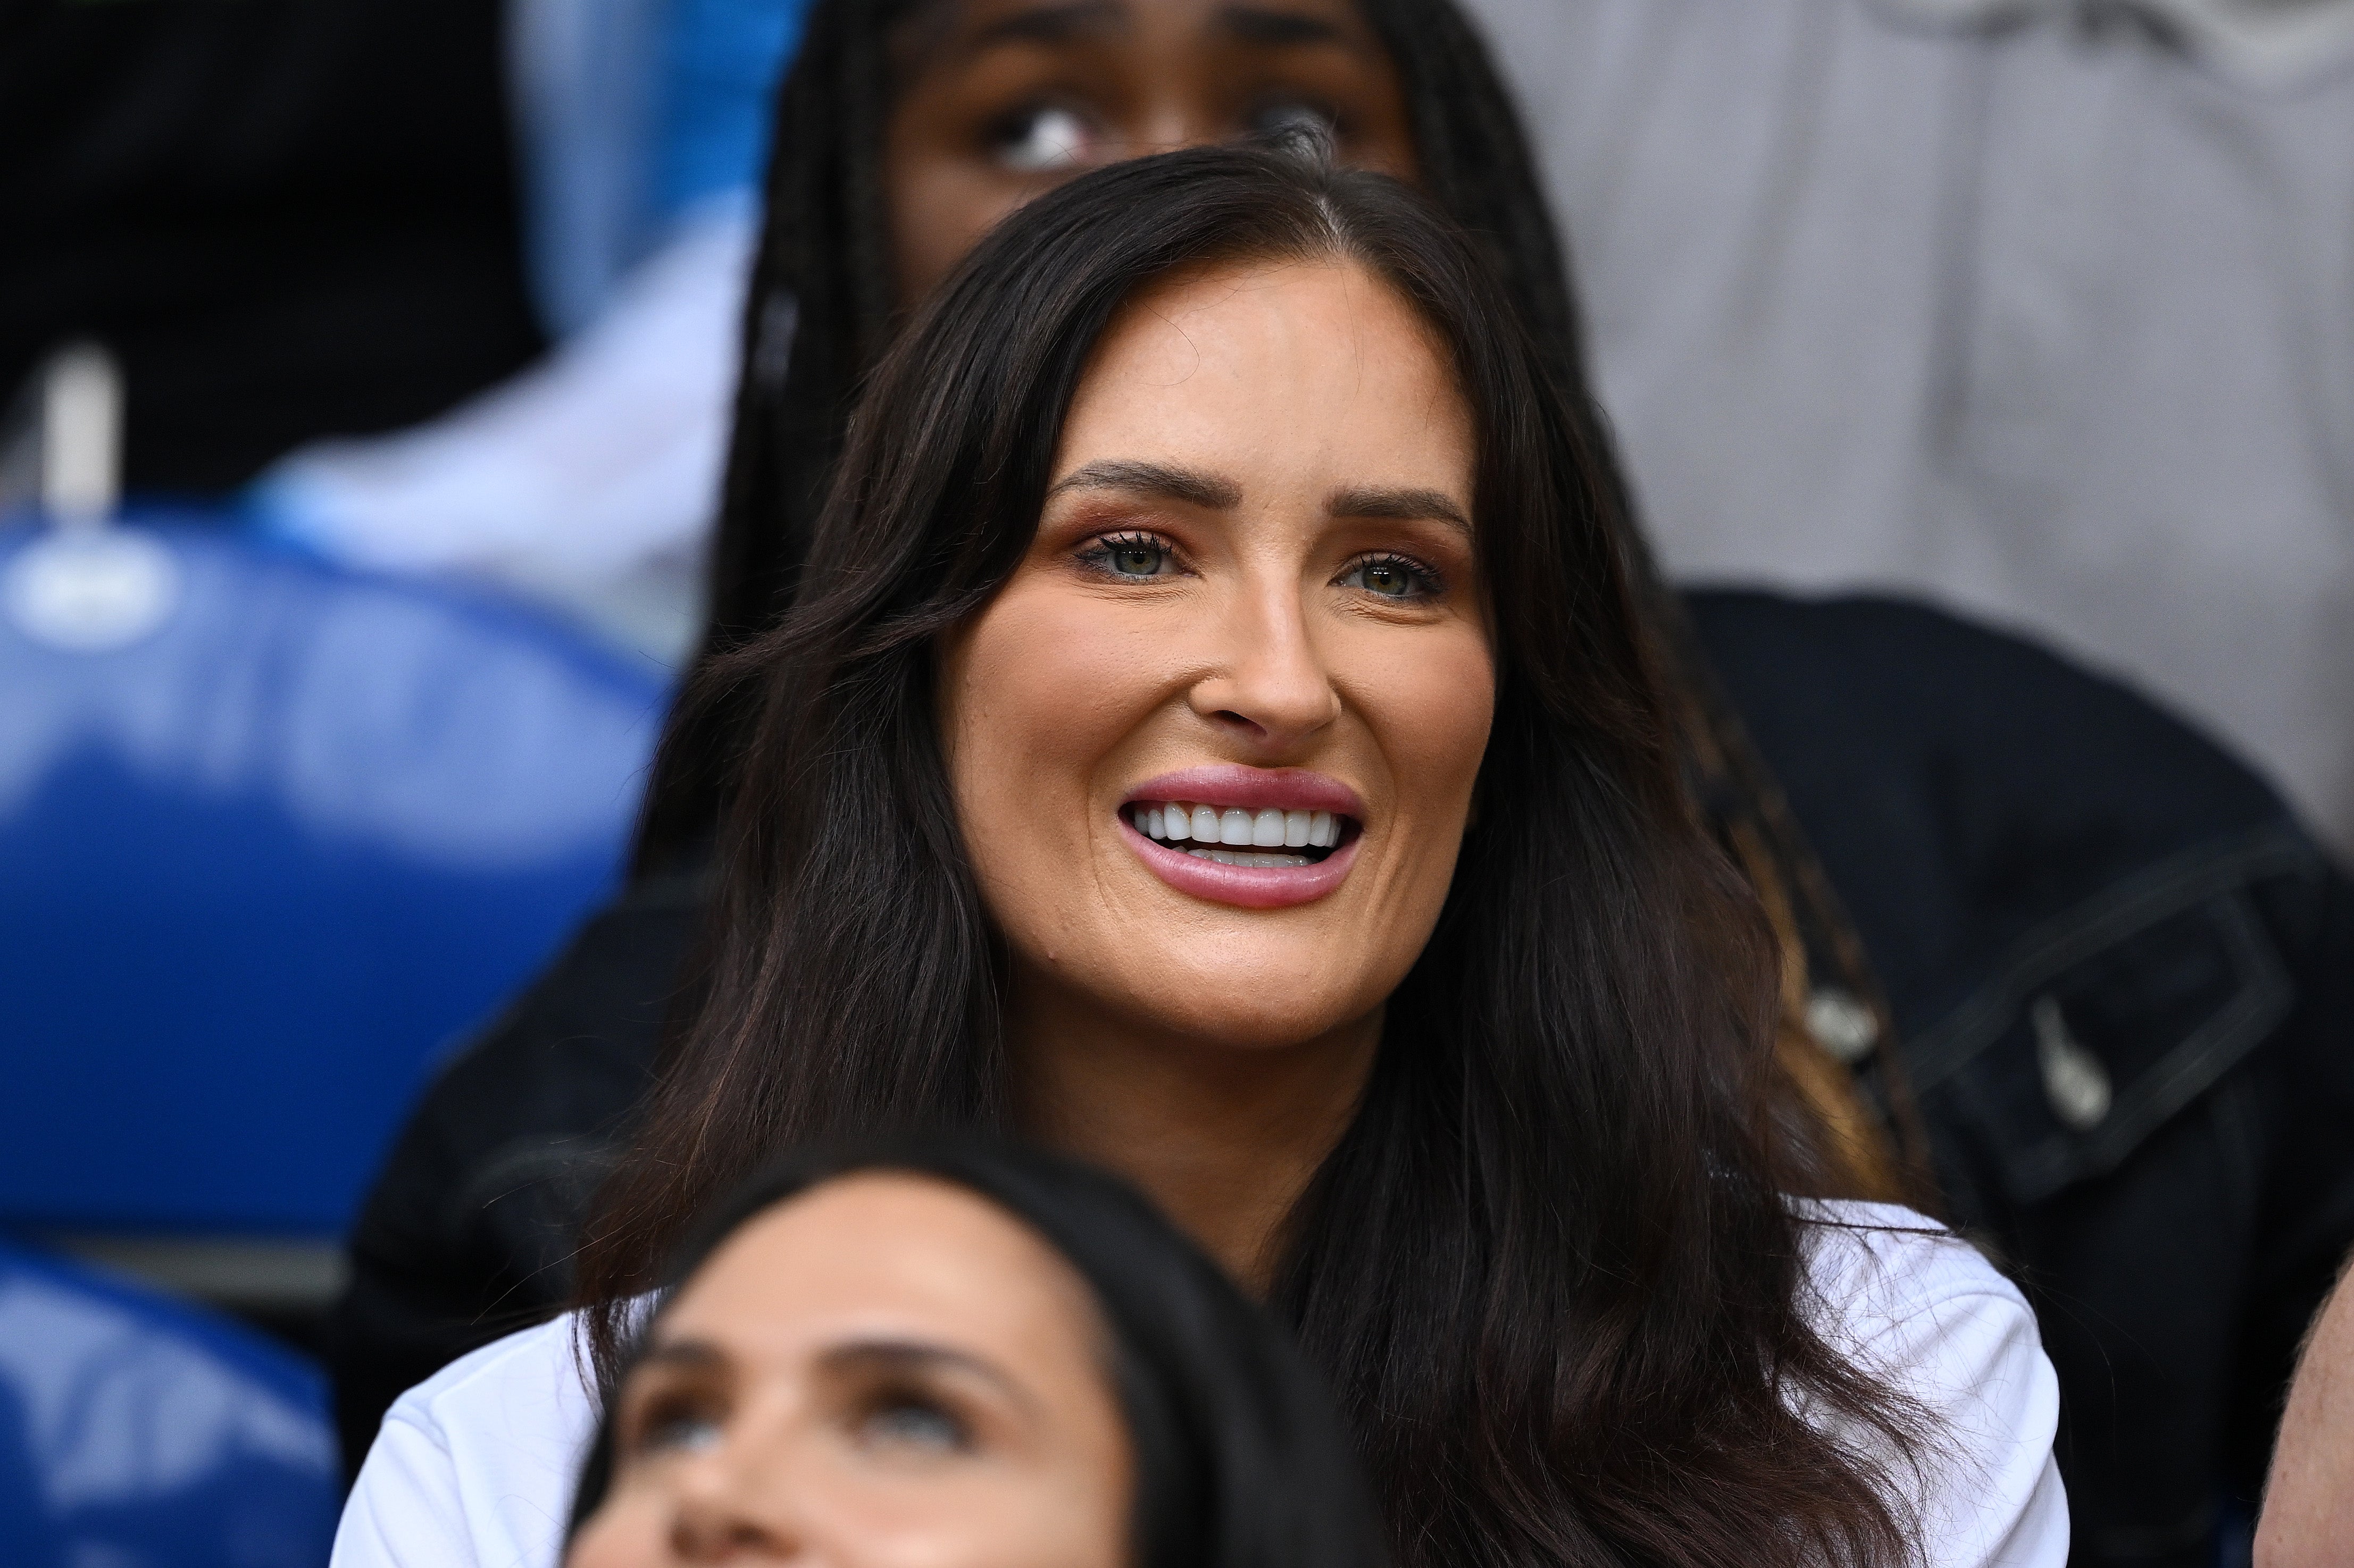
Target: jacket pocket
(2100, 1026)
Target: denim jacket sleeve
(2123, 982)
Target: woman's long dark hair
(1550, 1267)
(821, 311)
(1239, 1463)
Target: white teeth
(1175, 821)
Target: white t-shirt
(474, 1467)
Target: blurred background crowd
(371, 365)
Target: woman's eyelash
(1422, 579)
(1120, 554)
(673, 1422)
(1135, 556)
(913, 1419)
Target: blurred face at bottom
(886, 1371)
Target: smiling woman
(1226, 487)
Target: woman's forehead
(921, 1251)
(1281, 381)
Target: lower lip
(1247, 886)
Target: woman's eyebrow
(695, 1353)
(1282, 29)
(911, 1358)
(1188, 485)
(1407, 504)
(1049, 25)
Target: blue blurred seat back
(135, 1433)
(257, 864)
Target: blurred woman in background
(1005, 1361)
(1980, 862)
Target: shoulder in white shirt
(474, 1468)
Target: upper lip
(1254, 788)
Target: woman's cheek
(1052, 662)
(1431, 708)
(622, 1534)
(1046, 688)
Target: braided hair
(820, 308)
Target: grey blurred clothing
(2041, 308)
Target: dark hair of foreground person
(1550, 1268)
(1238, 1461)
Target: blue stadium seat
(135, 1433)
(269, 836)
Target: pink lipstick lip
(1251, 788)
(1247, 887)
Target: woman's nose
(723, 1515)
(1270, 688)
(702, 1535)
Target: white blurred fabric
(2265, 43)
(591, 479)
(589, 482)
(584, 79)
(2044, 309)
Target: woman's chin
(1257, 1004)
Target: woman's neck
(1224, 1137)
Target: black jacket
(2123, 981)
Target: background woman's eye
(1285, 113)
(1043, 139)
(1132, 555)
(1391, 577)
(678, 1429)
(909, 1422)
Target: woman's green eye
(1133, 555)
(915, 1423)
(1391, 577)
